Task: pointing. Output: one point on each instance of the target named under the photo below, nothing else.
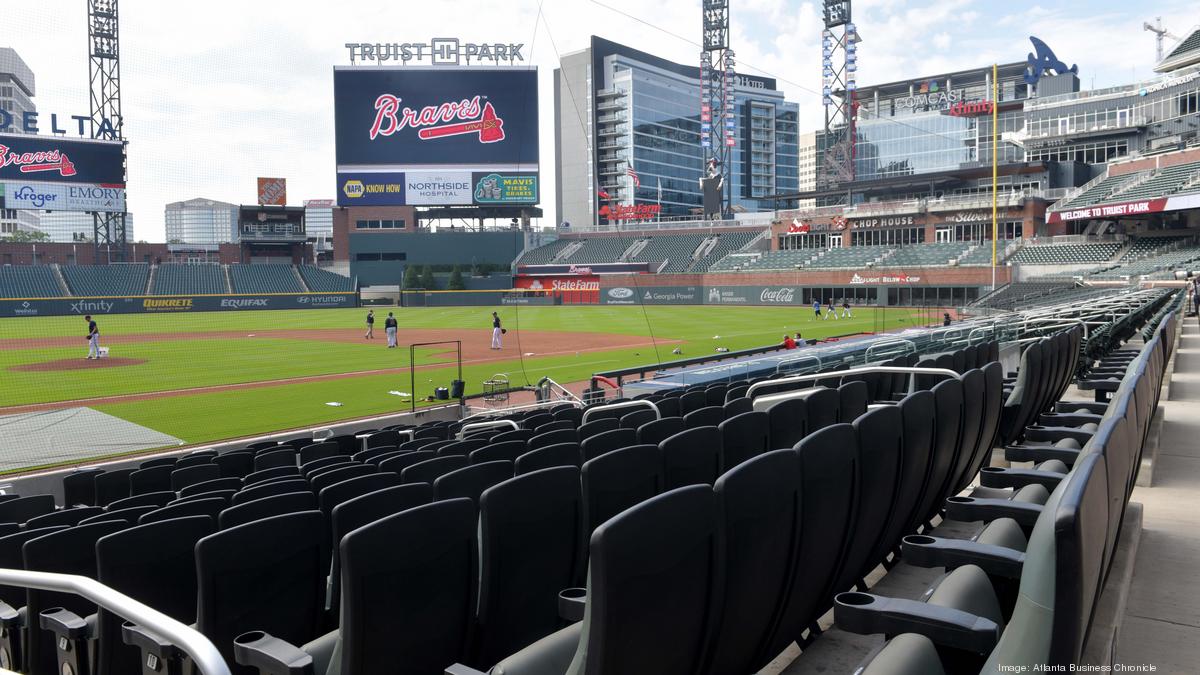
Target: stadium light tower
(718, 132)
(1159, 34)
(104, 82)
(839, 67)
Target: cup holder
(854, 599)
(249, 637)
(573, 594)
(919, 540)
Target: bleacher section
(727, 243)
(173, 279)
(271, 278)
(1101, 190)
(106, 280)
(1144, 246)
(324, 281)
(853, 257)
(1166, 181)
(1066, 254)
(676, 249)
(544, 255)
(1135, 186)
(981, 254)
(28, 282)
(1171, 260)
(928, 255)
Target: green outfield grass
(199, 360)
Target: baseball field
(199, 377)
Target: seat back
(264, 575)
(597, 425)
(531, 537)
(692, 457)
(514, 435)
(788, 422)
(429, 470)
(199, 473)
(283, 487)
(148, 499)
(153, 563)
(852, 400)
(408, 590)
(274, 459)
(562, 454)
(993, 396)
(210, 508)
(494, 452)
(463, 447)
(758, 508)
(692, 401)
(709, 416)
(619, 479)
(469, 482)
(572, 414)
(319, 451)
(69, 551)
(109, 485)
(209, 486)
(12, 557)
(652, 589)
(973, 411)
(553, 438)
(879, 439)
(822, 409)
(401, 462)
(947, 434)
(292, 502)
(659, 430)
(329, 498)
(607, 441)
(64, 517)
(742, 437)
(79, 487)
(265, 475)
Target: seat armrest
(159, 657)
(270, 655)
(1090, 406)
(1070, 420)
(969, 509)
(867, 614)
(571, 603)
(997, 477)
(1040, 453)
(925, 551)
(64, 623)
(1056, 434)
(460, 669)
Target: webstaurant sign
(172, 304)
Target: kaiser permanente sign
(1124, 209)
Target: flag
(603, 194)
(633, 174)
(660, 190)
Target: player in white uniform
(497, 332)
(93, 338)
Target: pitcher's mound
(78, 364)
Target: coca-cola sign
(778, 295)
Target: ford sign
(620, 293)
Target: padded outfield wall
(173, 304)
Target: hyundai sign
(425, 119)
(49, 159)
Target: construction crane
(1159, 34)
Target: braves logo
(35, 162)
(475, 117)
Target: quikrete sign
(31, 122)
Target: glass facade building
(17, 88)
(618, 109)
(201, 221)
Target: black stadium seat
(258, 509)
(209, 507)
(742, 437)
(563, 454)
(181, 478)
(429, 470)
(209, 486)
(79, 487)
(494, 452)
(469, 482)
(542, 439)
(619, 479)
(63, 517)
(607, 441)
(282, 487)
(109, 485)
(659, 430)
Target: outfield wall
(173, 304)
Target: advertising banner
(445, 188)
(505, 188)
(272, 191)
(370, 189)
(652, 295)
(64, 197)
(173, 304)
(56, 160)
(753, 295)
(398, 117)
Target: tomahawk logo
(470, 116)
(37, 162)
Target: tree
(427, 280)
(456, 280)
(21, 236)
(411, 279)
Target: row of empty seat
(29, 282)
(41, 281)
(1066, 254)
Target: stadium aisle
(1162, 615)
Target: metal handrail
(798, 359)
(207, 660)
(853, 371)
(909, 347)
(623, 404)
(462, 432)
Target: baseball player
(846, 309)
(389, 326)
(93, 338)
(830, 310)
(497, 331)
(370, 325)
(816, 309)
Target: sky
(220, 92)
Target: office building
(75, 226)
(618, 109)
(201, 221)
(17, 88)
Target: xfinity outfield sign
(437, 52)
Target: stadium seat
(692, 401)
(573, 415)
(429, 470)
(23, 508)
(235, 464)
(557, 425)
(339, 493)
(261, 476)
(659, 430)
(70, 516)
(336, 474)
(691, 457)
(313, 466)
(619, 479)
(607, 441)
(205, 506)
(127, 515)
(514, 435)
(562, 454)
(852, 400)
(260, 491)
(369, 455)
(195, 459)
(408, 596)
(597, 426)
(266, 507)
(401, 462)
(148, 499)
(79, 487)
(154, 479)
(787, 421)
(535, 421)
(636, 419)
(158, 461)
(743, 437)
(263, 575)
(544, 439)
(274, 458)
(652, 594)
(737, 406)
(531, 548)
(463, 447)
(469, 482)
(319, 450)
(181, 478)
(710, 416)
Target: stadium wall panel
(163, 304)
